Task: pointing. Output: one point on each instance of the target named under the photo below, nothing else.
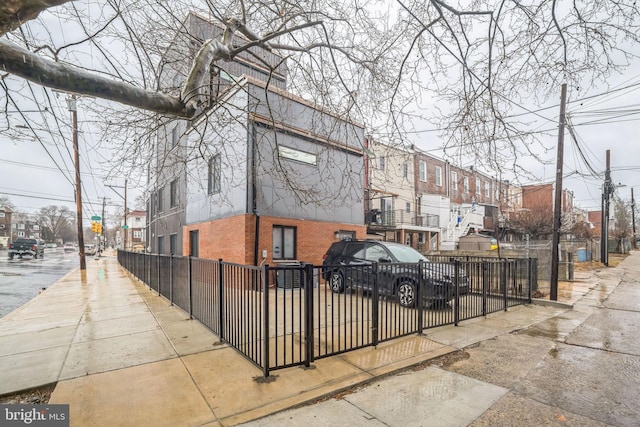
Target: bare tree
(622, 214)
(56, 220)
(490, 61)
(537, 222)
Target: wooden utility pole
(557, 207)
(607, 189)
(633, 217)
(71, 103)
(125, 228)
(102, 244)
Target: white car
(90, 249)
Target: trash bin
(582, 255)
(290, 275)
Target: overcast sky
(38, 171)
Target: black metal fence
(281, 316)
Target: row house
(260, 175)
(134, 231)
(5, 226)
(428, 203)
(542, 197)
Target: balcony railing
(401, 217)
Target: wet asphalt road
(21, 279)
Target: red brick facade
(233, 238)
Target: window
(137, 234)
(375, 253)
(439, 176)
(487, 193)
(36, 227)
(1, 214)
(478, 186)
(213, 185)
(408, 207)
(454, 182)
(173, 190)
(423, 171)
(161, 199)
(419, 205)
(20, 233)
(160, 244)
(284, 242)
(173, 244)
(381, 163)
(465, 184)
(174, 136)
(405, 170)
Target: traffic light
(94, 227)
(98, 228)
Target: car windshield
(406, 253)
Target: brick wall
(232, 239)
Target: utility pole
(607, 189)
(557, 208)
(71, 103)
(125, 228)
(633, 217)
(103, 243)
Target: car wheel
(407, 293)
(10, 256)
(336, 281)
(35, 256)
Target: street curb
(548, 303)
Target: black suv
(398, 269)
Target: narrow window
(405, 170)
(465, 184)
(161, 199)
(381, 163)
(454, 182)
(423, 171)
(174, 193)
(438, 176)
(173, 244)
(213, 186)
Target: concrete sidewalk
(122, 355)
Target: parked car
(21, 247)
(90, 249)
(69, 247)
(398, 270)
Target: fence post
(171, 279)
(265, 320)
(308, 306)
(485, 273)
(158, 272)
(503, 284)
(221, 299)
(190, 281)
(419, 303)
(376, 306)
(529, 278)
(456, 292)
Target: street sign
(96, 218)
(125, 226)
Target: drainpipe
(254, 203)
